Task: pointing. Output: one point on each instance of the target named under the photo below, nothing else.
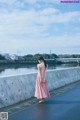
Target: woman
(41, 91)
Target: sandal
(41, 101)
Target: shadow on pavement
(60, 102)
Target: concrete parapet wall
(14, 89)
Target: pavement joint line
(22, 110)
(18, 105)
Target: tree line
(30, 57)
(36, 56)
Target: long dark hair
(42, 59)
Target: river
(24, 69)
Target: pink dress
(41, 90)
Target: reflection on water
(23, 69)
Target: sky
(39, 26)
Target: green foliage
(36, 56)
(28, 57)
(2, 57)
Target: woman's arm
(39, 69)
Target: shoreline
(5, 62)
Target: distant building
(7, 56)
(13, 57)
(16, 57)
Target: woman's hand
(42, 81)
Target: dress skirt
(41, 89)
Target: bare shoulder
(38, 65)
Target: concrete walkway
(64, 104)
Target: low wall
(14, 89)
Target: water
(20, 69)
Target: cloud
(46, 27)
(28, 1)
(32, 23)
(46, 1)
(7, 1)
(57, 17)
(12, 5)
(55, 44)
(49, 11)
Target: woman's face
(40, 61)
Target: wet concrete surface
(64, 104)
